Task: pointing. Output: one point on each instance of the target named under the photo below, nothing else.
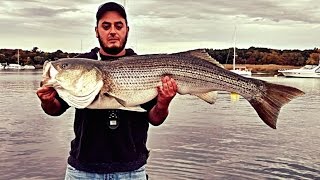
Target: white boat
(13, 66)
(241, 70)
(307, 71)
(29, 67)
(18, 66)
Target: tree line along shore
(257, 59)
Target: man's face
(112, 32)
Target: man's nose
(113, 30)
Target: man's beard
(113, 50)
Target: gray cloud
(206, 20)
(34, 18)
(151, 21)
(207, 9)
(42, 12)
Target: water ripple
(226, 140)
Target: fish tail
(268, 105)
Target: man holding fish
(118, 95)
(110, 142)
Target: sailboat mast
(18, 56)
(234, 48)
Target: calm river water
(226, 140)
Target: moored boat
(307, 71)
(13, 66)
(241, 70)
(29, 67)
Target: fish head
(74, 75)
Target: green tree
(314, 58)
(2, 58)
(35, 49)
(39, 60)
(29, 61)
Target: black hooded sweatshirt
(109, 141)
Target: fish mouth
(48, 75)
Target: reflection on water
(226, 140)
(32, 144)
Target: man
(110, 143)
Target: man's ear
(96, 29)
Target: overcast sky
(163, 26)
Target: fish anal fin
(209, 97)
(118, 99)
(133, 108)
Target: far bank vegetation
(264, 57)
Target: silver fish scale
(190, 73)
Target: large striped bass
(130, 81)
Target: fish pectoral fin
(118, 99)
(209, 97)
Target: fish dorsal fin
(209, 97)
(200, 53)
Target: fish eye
(65, 65)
